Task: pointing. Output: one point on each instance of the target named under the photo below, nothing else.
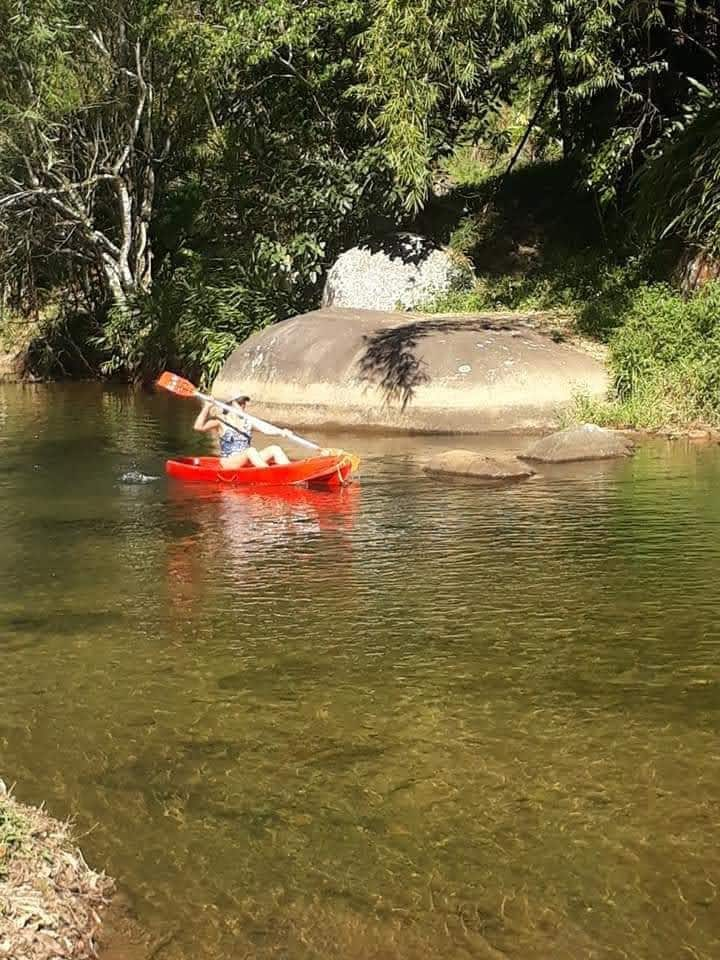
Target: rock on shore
(432, 374)
(399, 271)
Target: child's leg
(249, 457)
(274, 455)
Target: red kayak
(333, 471)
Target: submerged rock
(586, 442)
(134, 476)
(467, 463)
(399, 271)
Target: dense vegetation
(173, 176)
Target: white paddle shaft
(262, 425)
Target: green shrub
(189, 324)
(56, 344)
(607, 300)
(467, 236)
(193, 320)
(468, 166)
(666, 337)
(665, 361)
(660, 400)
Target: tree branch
(139, 110)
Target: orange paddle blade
(175, 384)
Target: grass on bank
(536, 244)
(14, 831)
(49, 898)
(665, 362)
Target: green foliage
(616, 69)
(667, 336)
(13, 833)
(62, 344)
(469, 234)
(535, 248)
(536, 245)
(484, 147)
(679, 189)
(665, 361)
(591, 289)
(607, 297)
(661, 401)
(424, 65)
(266, 176)
(292, 129)
(191, 323)
(469, 167)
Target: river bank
(51, 901)
(457, 373)
(496, 371)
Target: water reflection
(238, 530)
(409, 719)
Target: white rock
(400, 272)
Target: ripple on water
(410, 719)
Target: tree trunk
(98, 161)
(698, 268)
(562, 105)
(113, 278)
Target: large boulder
(468, 463)
(436, 374)
(402, 271)
(586, 442)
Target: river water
(413, 719)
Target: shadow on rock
(409, 248)
(390, 360)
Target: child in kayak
(235, 442)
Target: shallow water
(411, 719)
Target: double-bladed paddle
(184, 388)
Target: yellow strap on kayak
(350, 458)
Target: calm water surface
(410, 720)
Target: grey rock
(434, 374)
(586, 442)
(132, 477)
(399, 272)
(467, 463)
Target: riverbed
(411, 719)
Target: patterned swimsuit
(232, 442)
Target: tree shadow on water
(390, 361)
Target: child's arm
(204, 422)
